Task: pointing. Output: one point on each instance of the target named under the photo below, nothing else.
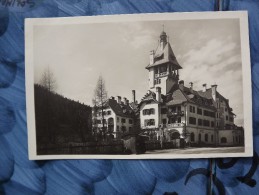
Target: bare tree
(100, 98)
(48, 80)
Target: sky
(209, 52)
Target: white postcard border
(246, 70)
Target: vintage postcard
(141, 86)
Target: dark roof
(165, 56)
(120, 109)
(177, 97)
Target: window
(163, 69)
(211, 138)
(152, 111)
(199, 111)
(192, 109)
(179, 108)
(148, 111)
(118, 119)
(231, 119)
(208, 113)
(130, 121)
(206, 123)
(164, 121)
(152, 121)
(212, 124)
(223, 140)
(217, 124)
(226, 109)
(123, 120)
(123, 129)
(108, 112)
(163, 110)
(145, 112)
(217, 115)
(156, 70)
(206, 137)
(130, 128)
(179, 120)
(192, 120)
(192, 137)
(149, 122)
(200, 122)
(227, 118)
(199, 137)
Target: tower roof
(165, 56)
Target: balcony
(175, 113)
(161, 74)
(174, 125)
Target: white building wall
(151, 116)
(117, 123)
(233, 137)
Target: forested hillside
(60, 120)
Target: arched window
(192, 137)
(223, 140)
(206, 137)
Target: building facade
(171, 110)
(115, 119)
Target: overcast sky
(208, 50)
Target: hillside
(59, 119)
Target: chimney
(133, 96)
(214, 92)
(204, 87)
(152, 53)
(191, 85)
(181, 84)
(119, 99)
(112, 97)
(125, 101)
(158, 94)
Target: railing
(161, 74)
(175, 113)
(175, 125)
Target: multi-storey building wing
(171, 110)
(116, 117)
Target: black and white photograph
(140, 86)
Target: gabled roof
(120, 109)
(164, 56)
(149, 97)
